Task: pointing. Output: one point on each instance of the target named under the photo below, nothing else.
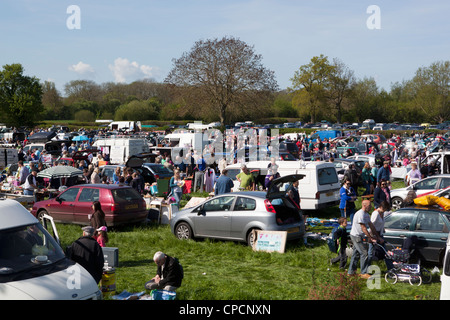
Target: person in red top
(102, 236)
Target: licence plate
(131, 206)
(292, 230)
(329, 194)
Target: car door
(83, 206)
(432, 233)
(426, 185)
(63, 206)
(213, 219)
(243, 213)
(399, 225)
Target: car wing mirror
(201, 211)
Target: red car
(121, 204)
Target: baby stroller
(403, 270)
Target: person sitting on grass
(169, 274)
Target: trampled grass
(227, 270)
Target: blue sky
(123, 41)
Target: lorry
(33, 266)
(326, 134)
(120, 148)
(125, 126)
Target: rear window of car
(125, 194)
(327, 175)
(232, 173)
(160, 169)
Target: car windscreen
(125, 194)
(327, 175)
(27, 248)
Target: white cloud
(82, 68)
(123, 70)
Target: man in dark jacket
(169, 274)
(88, 253)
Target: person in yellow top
(245, 178)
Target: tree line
(225, 80)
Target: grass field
(226, 270)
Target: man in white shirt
(30, 184)
(359, 232)
(377, 219)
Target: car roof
(257, 194)
(425, 208)
(99, 185)
(13, 214)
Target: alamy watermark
(374, 20)
(74, 20)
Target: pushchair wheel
(391, 277)
(415, 280)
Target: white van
(318, 189)
(32, 264)
(445, 276)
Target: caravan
(318, 189)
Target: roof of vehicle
(13, 214)
(283, 164)
(99, 185)
(425, 208)
(258, 194)
(347, 160)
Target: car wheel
(40, 214)
(251, 237)
(183, 231)
(397, 203)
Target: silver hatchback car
(233, 216)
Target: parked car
(428, 226)
(423, 186)
(290, 147)
(121, 204)
(370, 158)
(445, 276)
(151, 172)
(233, 216)
(342, 164)
(33, 264)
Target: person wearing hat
(102, 236)
(87, 252)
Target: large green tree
(20, 96)
(430, 89)
(339, 86)
(309, 84)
